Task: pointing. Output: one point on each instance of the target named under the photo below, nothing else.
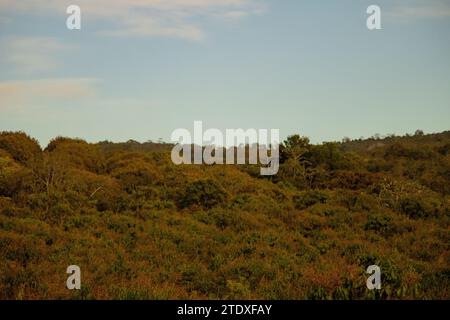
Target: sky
(139, 69)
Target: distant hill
(363, 145)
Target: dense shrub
(141, 227)
(353, 180)
(203, 193)
(308, 198)
(77, 153)
(416, 207)
(12, 176)
(411, 152)
(20, 146)
(379, 223)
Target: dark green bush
(379, 223)
(203, 193)
(308, 198)
(417, 208)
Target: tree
(77, 153)
(294, 160)
(50, 172)
(20, 146)
(295, 147)
(330, 156)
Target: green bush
(203, 193)
(308, 198)
(379, 223)
(417, 208)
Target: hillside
(140, 227)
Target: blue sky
(139, 69)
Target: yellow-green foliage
(142, 228)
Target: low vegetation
(141, 227)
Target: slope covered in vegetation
(142, 228)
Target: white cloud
(143, 26)
(32, 54)
(165, 18)
(235, 14)
(422, 9)
(18, 94)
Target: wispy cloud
(32, 54)
(235, 14)
(164, 18)
(18, 94)
(148, 26)
(422, 9)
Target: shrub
(438, 283)
(134, 173)
(417, 208)
(356, 201)
(412, 208)
(13, 176)
(379, 223)
(203, 193)
(226, 218)
(318, 293)
(309, 198)
(77, 153)
(237, 289)
(20, 146)
(197, 278)
(353, 180)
